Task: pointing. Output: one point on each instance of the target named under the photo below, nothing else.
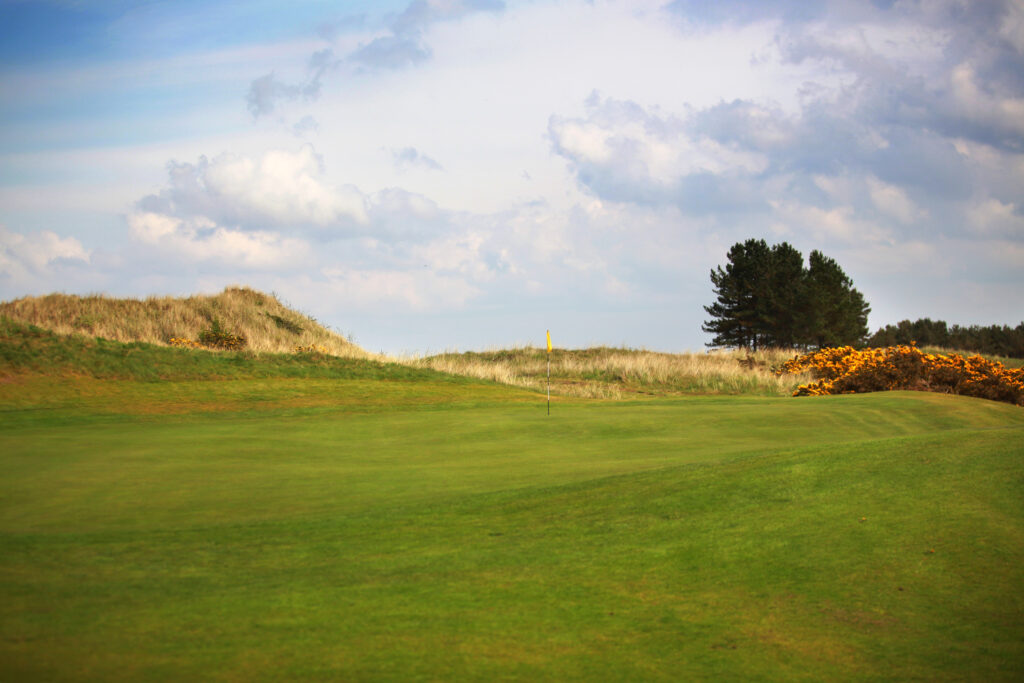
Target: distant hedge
(995, 340)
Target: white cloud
(1012, 27)
(839, 223)
(893, 201)
(35, 253)
(404, 44)
(265, 91)
(410, 156)
(981, 106)
(279, 189)
(658, 146)
(203, 240)
(624, 152)
(416, 290)
(993, 218)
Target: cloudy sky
(462, 174)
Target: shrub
(318, 350)
(217, 338)
(182, 343)
(844, 370)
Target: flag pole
(549, 372)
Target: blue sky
(444, 174)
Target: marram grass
(266, 324)
(603, 372)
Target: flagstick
(549, 372)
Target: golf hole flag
(549, 372)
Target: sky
(465, 174)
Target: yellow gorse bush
(845, 370)
(212, 338)
(310, 349)
(182, 343)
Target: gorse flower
(845, 370)
(310, 349)
(213, 338)
(182, 343)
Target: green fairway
(368, 529)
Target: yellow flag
(549, 341)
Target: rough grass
(30, 350)
(266, 323)
(604, 372)
(271, 327)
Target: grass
(590, 373)
(603, 372)
(293, 528)
(31, 350)
(173, 514)
(266, 323)
(270, 327)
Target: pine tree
(766, 297)
(836, 313)
(783, 298)
(735, 313)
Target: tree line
(996, 340)
(767, 297)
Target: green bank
(422, 528)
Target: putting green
(361, 530)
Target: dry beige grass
(270, 326)
(614, 373)
(266, 323)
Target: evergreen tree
(735, 312)
(766, 297)
(836, 313)
(1000, 340)
(782, 300)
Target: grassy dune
(271, 327)
(29, 351)
(590, 373)
(266, 323)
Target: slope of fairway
(299, 531)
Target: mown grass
(170, 514)
(746, 538)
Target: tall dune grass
(266, 323)
(270, 326)
(604, 372)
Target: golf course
(183, 514)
